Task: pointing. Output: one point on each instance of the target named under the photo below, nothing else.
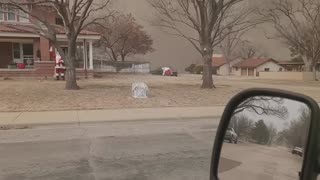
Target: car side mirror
(267, 134)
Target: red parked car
(168, 71)
(165, 71)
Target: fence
(288, 75)
(101, 65)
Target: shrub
(190, 68)
(198, 69)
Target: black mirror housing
(310, 161)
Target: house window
(22, 53)
(236, 69)
(1, 13)
(11, 15)
(266, 69)
(280, 69)
(28, 57)
(16, 51)
(59, 21)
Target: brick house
(19, 45)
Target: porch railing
(29, 61)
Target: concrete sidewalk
(78, 117)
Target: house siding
(236, 71)
(223, 70)
(44, 49)
(38, 12)
(274, 67)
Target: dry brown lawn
(114, 91)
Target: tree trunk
(314, 69)
(123, 57)
(113, 55)
(308, 66)
(71, 79)
(207, 80)
(228, 69)
(226, 57)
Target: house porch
(22, 57)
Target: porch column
(85, 66)
(247, 71)
(90, 55)
(36, 50)
(44, 49)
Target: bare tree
(272, 133)
(297, 23)
(242, 124)
(247, 50)
(76, 16)
(203, 23)
(263, 105)
(297, 132)
(122, 36)
(260, 133)
(234, 47)
(229, 47)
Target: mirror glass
(265, 139)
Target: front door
(243, 71)
(5, 54)
(28, 54)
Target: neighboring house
(220, 65)
(292, 66)
(295, 66)
(24, 53)
(252, 67)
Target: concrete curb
(34, 125)
(149, 120)
(22, 120)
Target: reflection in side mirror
(265, 139)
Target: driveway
(260, 162)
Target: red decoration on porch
(21, 66)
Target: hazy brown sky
(178, 53)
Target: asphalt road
(170, 149)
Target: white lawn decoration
(140, 90)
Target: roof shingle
(218, 61)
